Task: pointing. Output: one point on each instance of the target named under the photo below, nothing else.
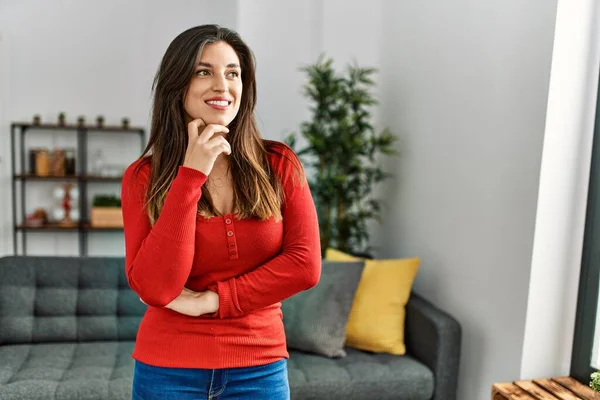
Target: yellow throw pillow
(376, 321)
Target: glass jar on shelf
(98, 163)
(42, 162)
(57, 162)
(70, 161)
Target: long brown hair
(257, 193)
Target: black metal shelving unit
(81, 178)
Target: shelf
(99, 178)
(83, 179)
(88, 227)
(53, 227)
(47, 227)
(73, 127)
(88, 178)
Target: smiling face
(215, 90)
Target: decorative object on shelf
(70, 161)
(57, 162)
(113, 170)
(106, 212)
(42, 162)
(101, 168)
(125, 123)
(37, 119)
(81, 121)
(33, 160)
(62, 119)
(37, 219)
(98, 163)
(66, 212)
(100, 121)
(343, 148)
(66, 202)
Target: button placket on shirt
(231, 241)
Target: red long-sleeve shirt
(253, 265)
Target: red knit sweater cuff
(177, 217)
(191, 173)
(228, 301)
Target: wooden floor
(562, 388)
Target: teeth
(218, 103)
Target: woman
(220, 227)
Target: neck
(221, 165)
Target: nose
(220, 84)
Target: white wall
(465, 84)
(280, 108)
(87, 59)
(305, 30)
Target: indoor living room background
(493, 103)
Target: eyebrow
(203, 64)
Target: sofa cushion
(59, 299)
(360, 375)
(377, 319)
(315, 320)
(69, 371)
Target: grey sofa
(68, 326)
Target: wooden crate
(561, 388)
(106, 217)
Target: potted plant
(595, 384)
(62, 117)
(106, 212)
(342, 153)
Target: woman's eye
(234, 74)
(202, 72)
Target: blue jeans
(268, 382)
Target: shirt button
(232, 253)
(229, 233)
(228, 221)
(231, 245)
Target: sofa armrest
(434, 337)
